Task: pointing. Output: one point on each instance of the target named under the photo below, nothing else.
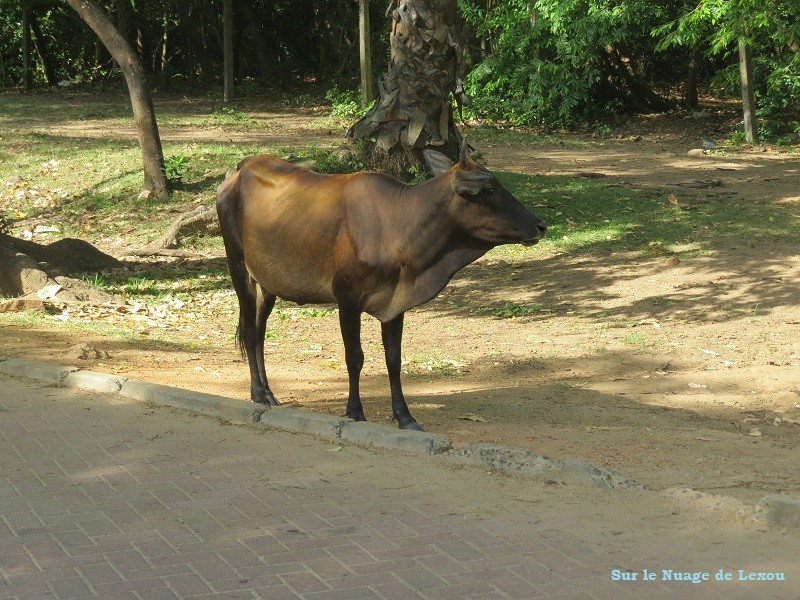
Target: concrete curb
(292, 419)
(778, 509)
(374, 434)
(510, 460)
(209, 404)
(36, 370)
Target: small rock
(696, 152)
(86, 352)
(673, 261)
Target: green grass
(590, 215)
(509, 310)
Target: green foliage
(568, 48)
(771, 27)
(175, 167)
(345, 104)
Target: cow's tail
(238, 337)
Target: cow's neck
(437, 249)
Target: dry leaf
(755, 432)
(470, 417)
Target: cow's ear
(438, 163)
(470, 182)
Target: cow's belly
(299, 284)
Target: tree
(143, 112)
(365, 52)
(765, 34)
(555, 62)
(414, 108)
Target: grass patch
(509, 310)
(589, 215)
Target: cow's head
(481, 205)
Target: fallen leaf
(470, 417)
(755, 432)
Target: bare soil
(676, 373)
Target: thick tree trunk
(414, 109)
(141, 101)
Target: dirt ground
(678, 375)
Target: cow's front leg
(392, 334)
(350, 324)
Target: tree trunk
(227, 50)
(748, 95)
(141, 101)
(27, 72)
(414, 110)
(690, 99)
(257, 39)
(628, 81)
(365, 52)
(40, 43)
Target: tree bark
(27, 71)
(40, 43)
(748, 94)
(227, 50)
(365, 52)
(141, 101)
(414, 110)
(629, 82)
(690, 99)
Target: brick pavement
(109, 498)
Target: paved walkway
(105, 497)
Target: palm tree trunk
(414, 109)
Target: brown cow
(364, 241)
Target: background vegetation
(557, 63)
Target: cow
(364, 241)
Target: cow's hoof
(356, 415)
(266, 399)
(412, 426)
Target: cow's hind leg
(254, 308)
(392, 334)
(264, 305)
